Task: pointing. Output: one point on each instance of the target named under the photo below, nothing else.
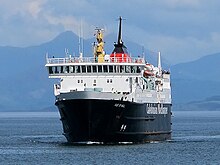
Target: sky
(183, 30)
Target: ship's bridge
(59, 67)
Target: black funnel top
(119, 46)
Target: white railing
(93, 60)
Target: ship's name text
(119, 105)
(156, 110)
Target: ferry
(111, 98)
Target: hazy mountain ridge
(208, 104)
(25, 84)
(24, 78)
(195, 82)
(206, 67)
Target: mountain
(207, 67)
(196, 80)
(25, 85)
(24, 80)
(208, 104)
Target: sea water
(36, 138)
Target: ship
(111, 98)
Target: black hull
(112, 121)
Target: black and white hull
(113, 121)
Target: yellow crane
(99, 53)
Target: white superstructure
(126, 79)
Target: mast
(80, 40)
(159, 64)
(119, 32)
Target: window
(72, 69)
(105, 68)
(61, 69)
(110, 69)
(133, 69)
(138, 69)
(56, 70)
(88, 69)
(50, 70)
(122, 69)
(117, 69)
(99, 68)
(78, 69)
(94, 68)
(127, 69)
(83, 69)
(66, 69)
(109, 80)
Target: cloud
(70, 23)
(21, 7)
(35, 7)
(190, 26)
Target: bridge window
(56, 69)
(127, 69)
(105, 68)
(61, 69)
(72, 69)
(132, 69)
(117, 69)
(122, 69)
(78, 69)
(83, 69)
(50, 70)
(94, 69)
(110, 69)
(100, 68)
(138, 69)
(66, 69)
(88, 69)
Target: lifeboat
(149, 67)
(148, 70)
(148, 73)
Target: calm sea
(36, 138)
